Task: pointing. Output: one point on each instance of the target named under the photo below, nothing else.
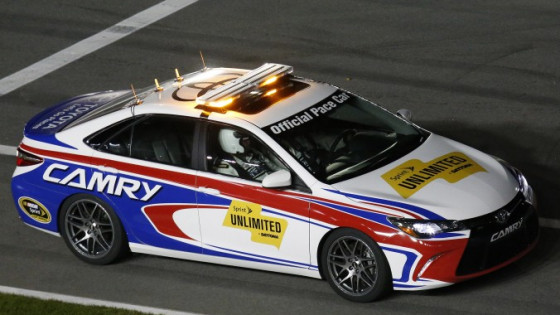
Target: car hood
(441, 179)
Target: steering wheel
(346, 135)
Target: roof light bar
(261, 76)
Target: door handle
(107, 169)
(210, 191)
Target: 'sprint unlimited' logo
(247, 216)
(414, 175)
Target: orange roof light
(221, 103)
(270, 80)
(270, 92)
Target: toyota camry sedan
(267, 170)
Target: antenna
(203, 63)
(138, 101)
(178, 77)
(158, 88)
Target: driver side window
(234, 152)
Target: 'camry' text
(104, 183)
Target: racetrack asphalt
(486, 73)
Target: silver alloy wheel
(352, 266)
(90, 228)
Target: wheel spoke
(82, 210)
(348, 276)
(103, 229)
(341, 265)
(347, 247)
(70, 216)
(373, 266)
(80, 226)
(92, 213)
(368, 281)
(103, 241)
(356, 243)
(82, 239)
(334, 256)
(91, 246)
(358, 278)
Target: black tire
(91, 230)
(355, 267)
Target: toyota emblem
(502, 216)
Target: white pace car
(263, 169)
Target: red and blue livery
(263, 169)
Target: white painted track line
(549, 223)
(86, 301)
(7, 150)
(91, 44)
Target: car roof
(192, 94)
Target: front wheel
(355, 266)
(91, 230)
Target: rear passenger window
(162, 139)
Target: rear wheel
(91, 230)
(355, 266)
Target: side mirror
(405, 114)
(281, 178)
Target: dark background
(486, 73)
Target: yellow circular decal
(35, 210)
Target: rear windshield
(123, 101)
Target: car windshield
(344, 136)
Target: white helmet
(230, 141)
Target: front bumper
(498, 237)
(490, 245)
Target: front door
(239, 218)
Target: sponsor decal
(35, 210)
(247, 216)
(508, 230)
(189, 91)
(104, 183)
(70, 112)
(414, 175)
(327, 105)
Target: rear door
(146, 166)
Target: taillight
(26, 159)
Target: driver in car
(247, 158)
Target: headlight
(524, 186)
(426, 228)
